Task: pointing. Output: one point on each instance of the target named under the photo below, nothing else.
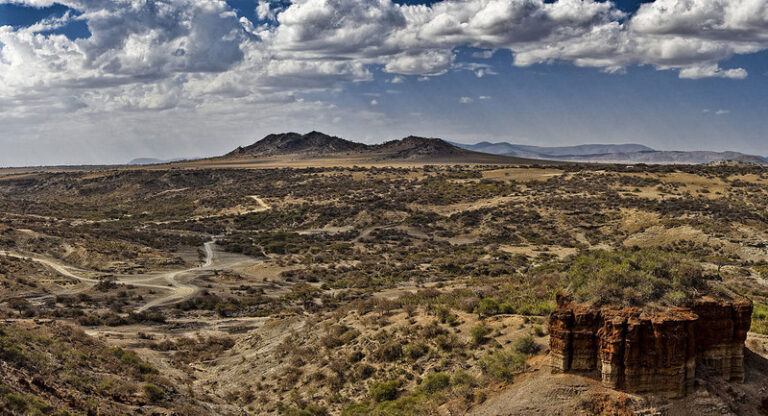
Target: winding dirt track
(179, 291)
(262, 206)
(59, 267)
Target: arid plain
(309, 285)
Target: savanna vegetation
(350, 290)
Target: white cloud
(466, 100)
(187, 55)
(487, 54)
(480, 70)
(718, 112)
(192, 49)
(484, 97)
(264, 10)
(397, 80)
(374, 102)
(710, 71)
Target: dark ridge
(412, 148)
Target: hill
(311, 144)
(50, 368)
(612, 153)
(317, 145)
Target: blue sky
(562, 104)
(209, 78)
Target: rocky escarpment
(637, 351)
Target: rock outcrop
(637, 351)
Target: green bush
(759, 318)
(487, 307)
(478, 334)
(463, 378)
(526, 345)
(384, 390)
(153, 392)
(25, 404)
(435, 382)
(502, 364)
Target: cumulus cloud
(187, 50)
(466, 100)
(193, 54)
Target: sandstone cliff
(637, 351)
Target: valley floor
(350, 290)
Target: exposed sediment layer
(638, 351)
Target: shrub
(338, 335)
(506, 308)
(463, 378)
(487, 307)
(759, 318)
(384, 390)
(526, 345)
(432, 330)
(415, 351)
(363, 371)
(153, 392)
(25, 404)
(435, 382)
(478, 334)
(390, 351)
(502, 364)
(130, 358)
(448, 342)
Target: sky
(98, 81)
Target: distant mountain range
(410, 149)
(317, 145)
(612, 153)
(151, 161)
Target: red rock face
(660, 352)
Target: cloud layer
(199, 55)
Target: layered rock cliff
(638, 351)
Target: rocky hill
(319, 145)
(311, 144)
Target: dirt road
(180, 291)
